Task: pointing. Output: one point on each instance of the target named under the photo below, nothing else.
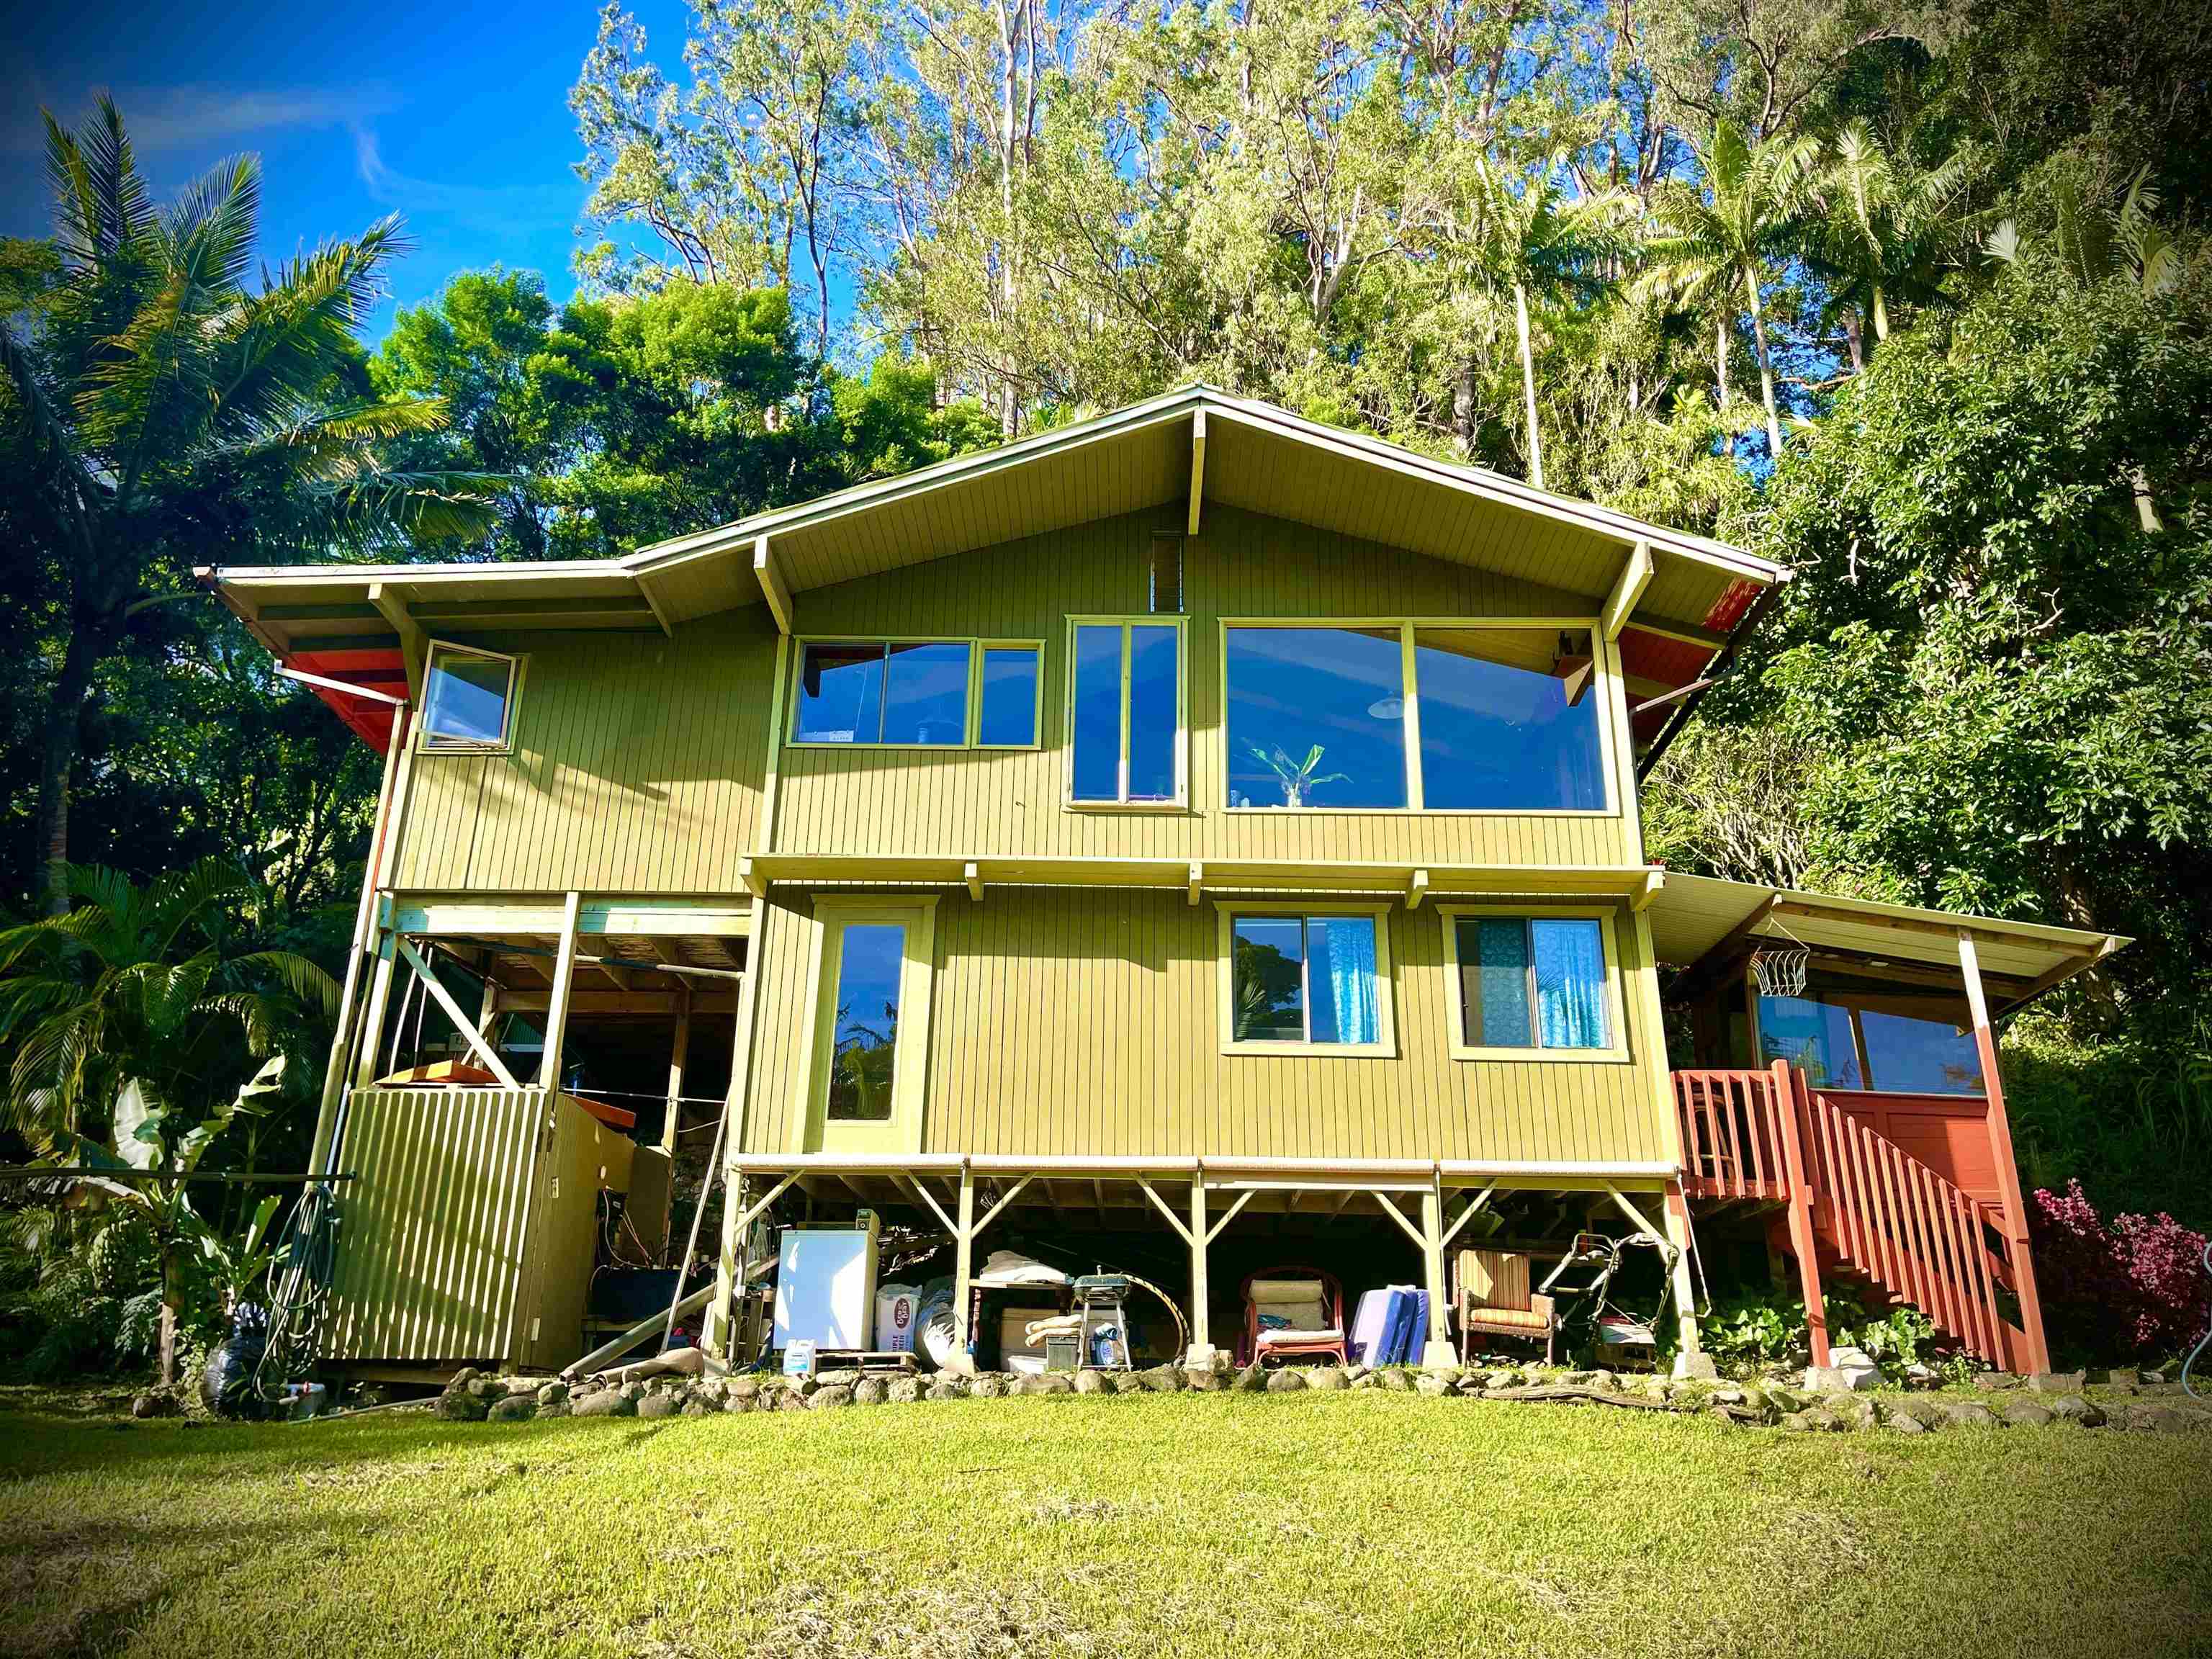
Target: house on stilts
(1195, 838)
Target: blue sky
(453, 115)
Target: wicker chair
(1491, 1294)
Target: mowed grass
(1280, 1525)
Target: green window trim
(1230, 911)
(1615, 1051)
(428, 740)
(1122, 800)
(1604, 689)
(980, 650)
(814, 1129)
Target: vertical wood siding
(1000, 803)
(1087, 1022)
(637, 768)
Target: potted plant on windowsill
(1298, 779)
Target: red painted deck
(1843, 1165)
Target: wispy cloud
(510, 210)
(195, 117)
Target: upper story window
(913, 693)
(1392, 715)
(1845, 1037)
(1125, 737)
(468, 701)
(1534, 986)
(1306, 977)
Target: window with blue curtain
(1305, 979)
(1532, 982)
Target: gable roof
(1190, 447)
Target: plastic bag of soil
(227, 1387)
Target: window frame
(1122, 803)
(428, 743)
(812, 1127)
(1616, 1053)
(1605, 687)
(972, 716)
(1857, 1009)
(1226, 912)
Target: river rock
(829, 1399)
(515, 1408)
(608, 1402)
(1286, 1381)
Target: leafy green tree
(147, 391)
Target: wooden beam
(1481, 1202)
(972, 873)
(1420, 1239)
(750, 877)
(556, 1009)
(1228, 1215)
(1635, 577)
(462, 1023)
(1197, 468)
(901, 1179)
(1675, 695)
(392, 605)
(658, 615)
(679, 1049)
(1417, 890)
(1197, 882)
(773, 586)
(1683, 633)
(2013, 1202)
(1165, 1209)
(1654, 881)
(1006, 1198)
(2056, 976)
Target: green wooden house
(1195, 820)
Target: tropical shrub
(2135, 1288)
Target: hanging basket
(1781, 973)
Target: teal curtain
(1570, 983)
(1350, 949)
(1502, 981)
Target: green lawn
(1214, 1525)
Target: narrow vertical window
(1166, 576)
(1012, 681)
(863, 1053)
(1125, 713)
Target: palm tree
(1534, 240)
(128, 1003)
(146, 388)
(1888, 231)
(1753, 193)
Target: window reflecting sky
(869, 962)
(1154, 678)
(468, 698)
(1009, 696)
(926, 694)
(1097, 711)
(840, 695)
(1290, 688)
(1497, 732)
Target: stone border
(471, 1397)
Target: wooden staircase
(1853, 1202)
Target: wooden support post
(372, 1024)
(963, 1276)
(679, 1051)
(1685, 1290)
(556, 1009)
(1791, 1110)
(451, 1010)
(1438, 1356)
(2038, 1357)
(1201, 1326)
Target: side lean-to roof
(1675, 599)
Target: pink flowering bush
(2134, 1288)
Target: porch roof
(1695, 918)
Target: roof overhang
(1699, 922)
(1673, 601)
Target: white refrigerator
(825, 1287)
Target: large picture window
(1296, 977)
(1125, 711)
(1391, 715)
(918, 693)
(468, 701)
(1845, 1037)
(1534, 986)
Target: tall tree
(1731, 230)
(149, 382)
(1888, 231)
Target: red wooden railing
(1766, 1136)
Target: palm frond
(427, 506)
(308, 982)
(280, 350)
